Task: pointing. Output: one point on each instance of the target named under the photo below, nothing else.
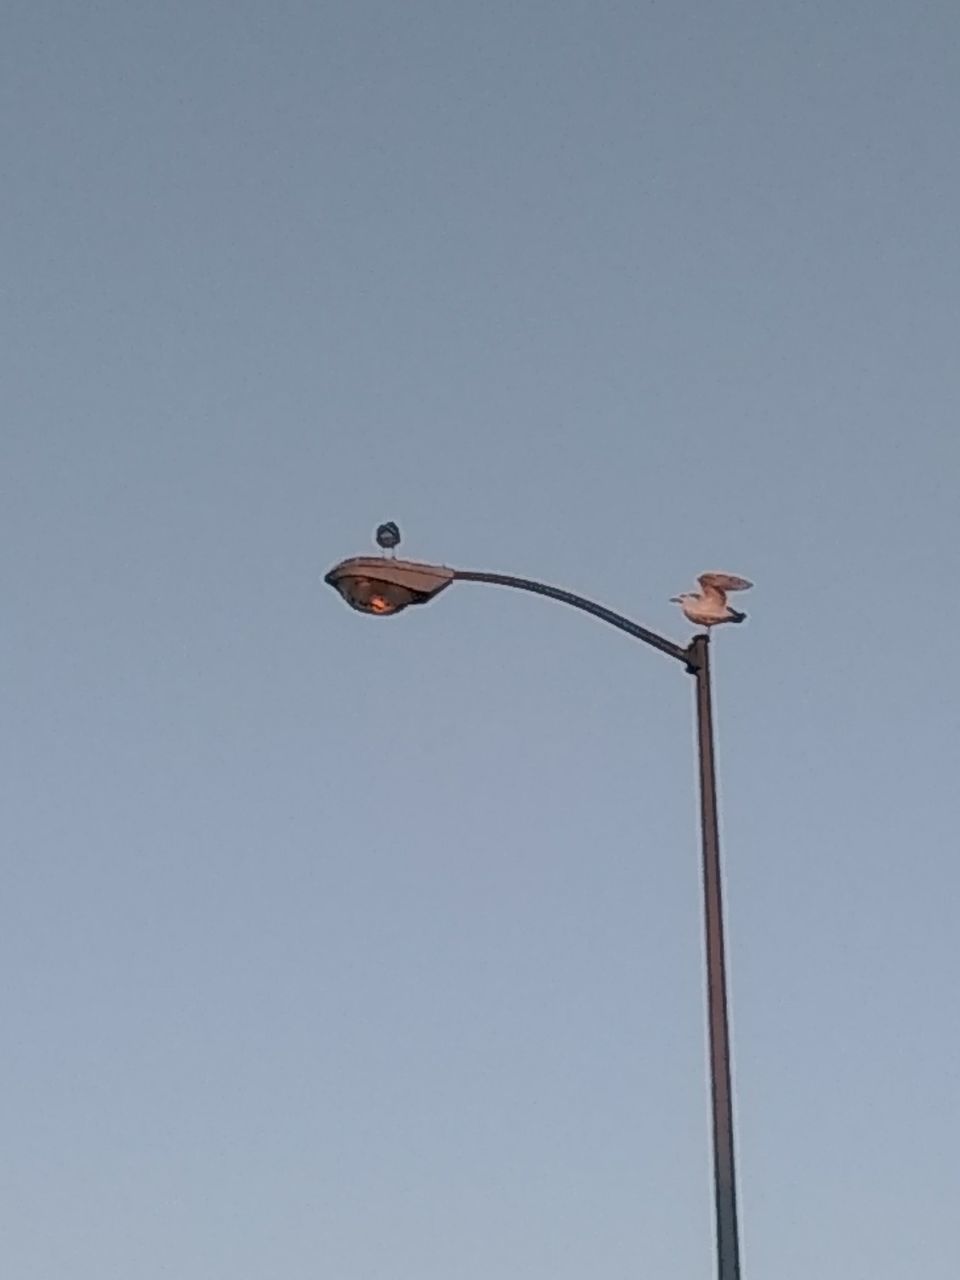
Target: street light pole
(721, 1089)
(382, 586)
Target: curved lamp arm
(588, 606)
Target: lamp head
(372, 585)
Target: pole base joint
(695, 653)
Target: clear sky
(371, 950)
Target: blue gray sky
(371, 950)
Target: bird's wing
(717, 585)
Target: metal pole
(725, 1187)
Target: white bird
(708, 606)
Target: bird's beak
(675, 600)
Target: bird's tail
(736, 616)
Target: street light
(374, 585)
(386, 586)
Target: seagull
(708, 606)
(388, 536)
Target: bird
(708, 606)
(388, 536)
